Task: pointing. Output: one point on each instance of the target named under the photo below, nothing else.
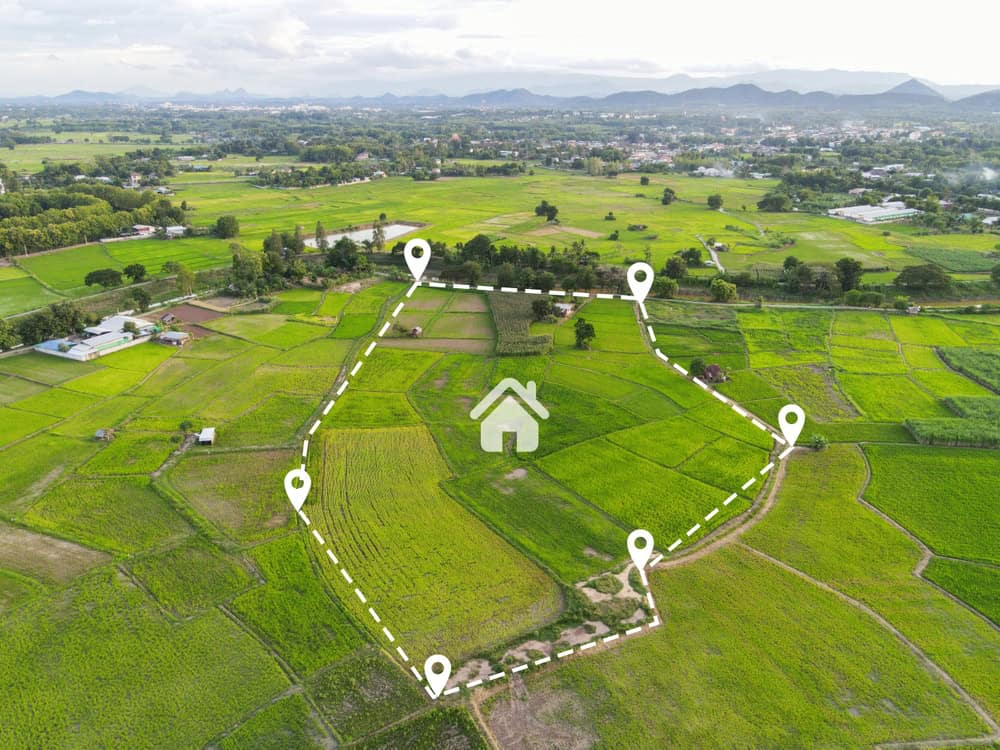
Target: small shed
(563, 309)
(174, 338)
(206, 436)
(105, 433)
(168, 318)
(416, 332)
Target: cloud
(293, 46)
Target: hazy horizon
(295, 48)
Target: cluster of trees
(55, 321)
(34, 220)
(112, 277)
(328, 174)
(546, 209)
(253, 274)
(507, 169)
(575, 267)
(677, 264)
(928, 277)
(226, 227)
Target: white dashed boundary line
(655, 621)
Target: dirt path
(711, 251)
(734, 528)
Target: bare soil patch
(560, 229)
(44, 556)
(194, 314)
(550, 719)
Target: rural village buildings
(110, 335)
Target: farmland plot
(412, 547)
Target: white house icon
(509, 416)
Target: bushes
(857, 298)
(723, 291)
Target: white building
(890, 211)
(107, 336)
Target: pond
(392, 231)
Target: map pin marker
(297, 495)
(640, 288)
(640, 547)
(417, 265)
(791, 429)
(437, 670)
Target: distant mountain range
(907, 94)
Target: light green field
(949, 503)
(793, 684)
(873, 562)
(413, 547)
(454, 210)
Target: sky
(331, 47)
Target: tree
(321, 241)
(715, 202)
(471, 271)
(669, 196)
(184, 279)
(545, 280)
(106, 277)
(722, 290)
(378, 236)
(131, 327)
(135, 271)
(55, 321)
(507, 275)
(790, 262)
(818, 442)
(664, 287)
(900, 303)
(995, 275)
(697, 367)
(542, 308)
(775, 203)
(246, 275)
(644, 180)
(141, 298)
(227, 227)
(8, 336)
(273, 243)
(584, 333)
(675, 267)
(547, 210)
(848, 272)
(927, 276)
(692, 256)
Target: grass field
(846, 683)
(195, 587)
(457, 209)
(874, 563)
(103, 655)
(414, 547)
(948, 504)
